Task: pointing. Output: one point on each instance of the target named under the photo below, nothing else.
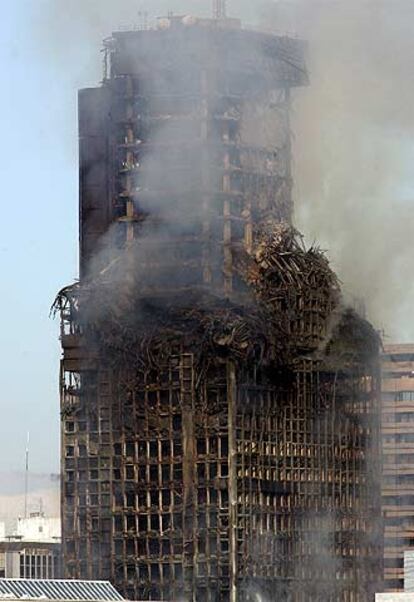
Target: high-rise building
(220, 418)
(398, 460)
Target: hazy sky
(50, 48)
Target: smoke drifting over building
(219, 405)
(353, 189)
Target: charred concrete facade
(219, 408)
(189, 111)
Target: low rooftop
(58, 589)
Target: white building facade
(32, 550)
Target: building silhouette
(220, 418)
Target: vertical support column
(219, 9)
(228, 255)
(205, 178)
(232, 414)
(130, 209)
(248, 229)
(288, 153)
(63, 506)
(226, 188)
(189, 473)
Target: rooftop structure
(58, 589)
(37, 528)
(33, 549)
(220, 414)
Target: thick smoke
(353, 131)
(352, 127)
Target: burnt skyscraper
(219, 407)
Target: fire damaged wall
(219, 406)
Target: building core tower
(219, 407)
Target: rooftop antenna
(26, 475)
(219, 9)
(143, 20)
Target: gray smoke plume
(353, 126)
(353, 131)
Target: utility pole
(26, 476)
(143, 20)
(219, 9)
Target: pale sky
(38, 251)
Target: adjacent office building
(398, 460)
(32, 551)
